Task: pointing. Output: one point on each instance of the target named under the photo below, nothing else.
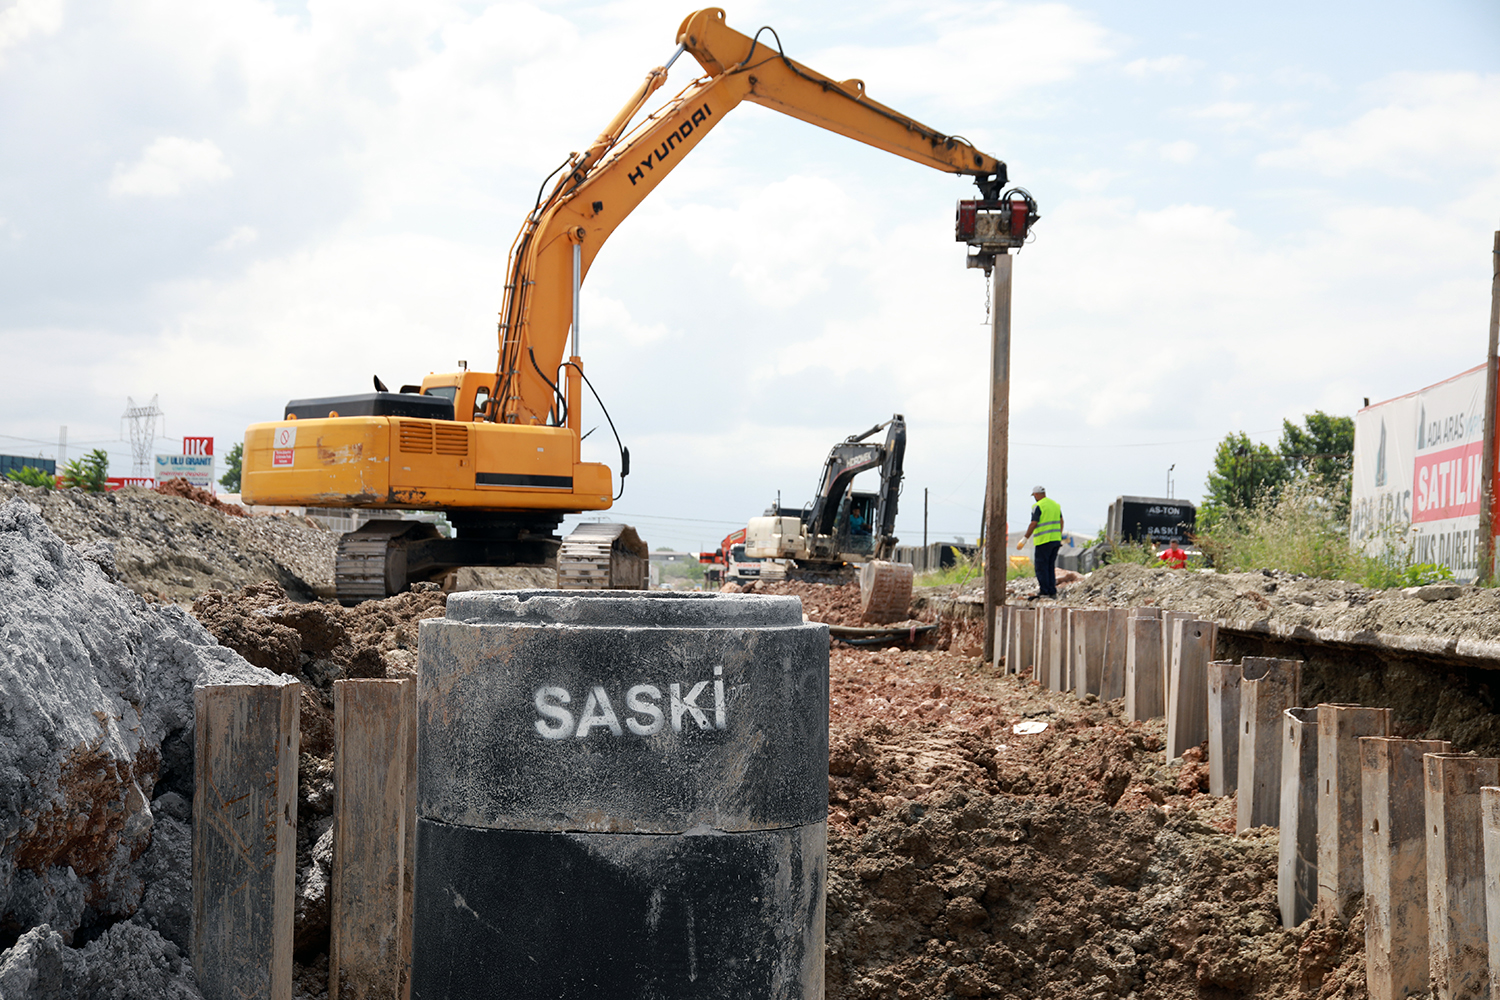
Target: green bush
(28, 476)
(1140, 553)
(89, 472)
(1300, 529)
(690, 570)
(1424, 573)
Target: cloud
(1428, 121)
(1181, 151)
(1036, 44)
(167, 166)
(605, 316)
(1095, 180)
(1228, 111)
(1170, 66)
(26, 18)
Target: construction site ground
(966, 859)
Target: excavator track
(370, 563)
(603, 557)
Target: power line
(1134, 444)
(53, 442)
(663, 517)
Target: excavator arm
(599, 188)
(767, 77)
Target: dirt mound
(186, 490)
(1289, 600)
(965, 859)
(501, 578)
(168, 548)
(831, 604)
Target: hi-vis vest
(1049, 527)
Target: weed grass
(967, 569)
(1299, 531)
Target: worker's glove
(1020, 545)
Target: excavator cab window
(448, 392)
(481, 400)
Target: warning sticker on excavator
(282, 449)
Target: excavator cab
(856, 523)
(469, 392)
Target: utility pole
(996, 558)
(924, 520)
(1487, 461)
(992, 228)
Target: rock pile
(169, 548)
(96, 768)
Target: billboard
(196, 469)
(120, 482)
(1151, 519)
(1417, 474)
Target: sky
(1249, 212)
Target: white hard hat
(1039, 489)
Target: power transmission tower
(143, 421)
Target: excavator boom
(599, 188)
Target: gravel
(168, 548)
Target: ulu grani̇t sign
(1417, 475)
(195, 464)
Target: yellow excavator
(499, 452)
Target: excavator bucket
(884, 591)
(603, 557)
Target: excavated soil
(968, 860)
(965, 859)
(1289, 600)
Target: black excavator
(844, 534)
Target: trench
(1431, 696)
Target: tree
(89, 472)
(230, 480)
(1244, 474)
(1323, 449)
